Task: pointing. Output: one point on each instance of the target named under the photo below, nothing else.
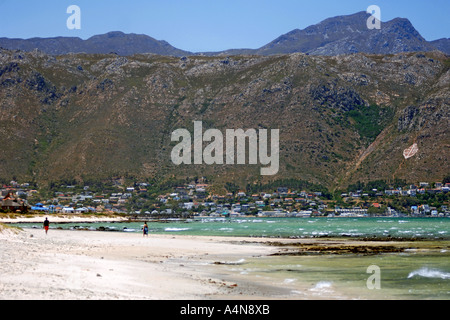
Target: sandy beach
(109, 265)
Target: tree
(446, 179)
(231, 187)
(376, 211)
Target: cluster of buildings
(194, 199)
(411, 191)
(280, 203)
(67, 201)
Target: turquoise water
(407, 228)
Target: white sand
(83, 265)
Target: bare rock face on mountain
(341, 119)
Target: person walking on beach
(145, 229)
(46, 225)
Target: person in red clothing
(46, 225)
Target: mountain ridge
(344, 34)
(111, 42)
(349, 34)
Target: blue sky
(207, 25)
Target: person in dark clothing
(46, 225)
(145, 229)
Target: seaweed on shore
(358, 247)
(338, 249)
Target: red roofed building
(10, 204)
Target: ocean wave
(226, 229)
(319, 233)
(429, 273)
(176, 229)
(231, 263)
(322, 287)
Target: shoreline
(92, 219)
(37, 218)
(59, 218)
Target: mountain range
(342, 118)
(338, 35)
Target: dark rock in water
(80, 228)
(101, 228)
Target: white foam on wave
(322, 286)
(429, 273)
(289, 280)
(231, 263)
(175, 229)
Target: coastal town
(142, 199)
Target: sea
(421, 273)
(361, 227)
